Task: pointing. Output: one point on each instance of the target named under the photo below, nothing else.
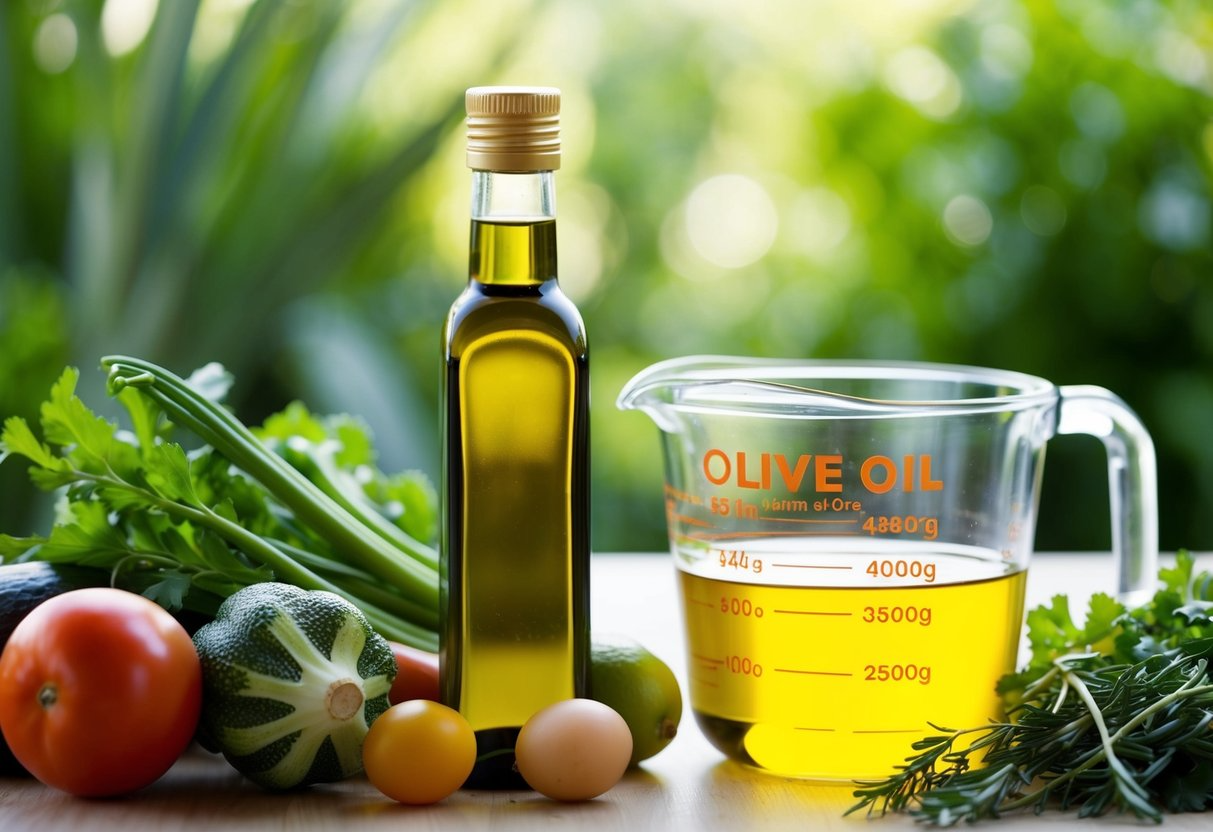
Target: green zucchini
(292, 680)
(24, 586)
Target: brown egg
(574, 750)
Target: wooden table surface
(687, 786)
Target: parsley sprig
(1114, 715)
(301, 500)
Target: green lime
(641, 687)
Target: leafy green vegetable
(190, 528)
(1117, 713)
(337, 455)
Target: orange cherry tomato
(419, 752)
(100, 691)
(416, 675)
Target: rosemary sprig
(1087, 730)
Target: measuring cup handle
(1132, 479)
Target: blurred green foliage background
(279, 185)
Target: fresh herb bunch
(1116, 714)
(301, 500)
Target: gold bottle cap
(513, 128)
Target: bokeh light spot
(818, 221)
(125, 23)
(584, 212)
(731, 221)
(1042, 210)
(1005, 52)
(967, 221)
(55, 44)
(919, 76)
(1181, 59)
(1083, 163)
(1097, 112)
(1174, 215)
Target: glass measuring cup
(852, 540)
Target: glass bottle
(515, 492)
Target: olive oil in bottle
(515, 494)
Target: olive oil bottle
(515, 493)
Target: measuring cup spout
(654, 391)
(668, 390)
(641, 391)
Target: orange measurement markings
(804, 520)
(809, 566)
(707, 604)
(693, 521)
(805, 728)
(811, 672)
(749, 534)
(809, 612)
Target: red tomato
(100, 691)
(416, 675)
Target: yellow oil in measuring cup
(828, 657)
(853, 539)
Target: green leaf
(410, 501)
(232, 495)
(1179, 578)
(67, 422)
(1141, 647)
(357, 444)
(1162, 610)
(14, 548)
(1202, 587)
(1051, 631)
(154, 532)
(227, 511)
(295, 420)
(198, 598)
(216, 555)
(89, 540)
(211, 583)
(168, 473)
(1009, 685)
(145, 416)
(1195, 612)
(346, 438)
(1103, 623)
(1190, 791)
(196, 550)
(18, 438)
(116, 495)
(48, 480)
(170, 591)
(1200, 647)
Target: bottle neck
(513, 240)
